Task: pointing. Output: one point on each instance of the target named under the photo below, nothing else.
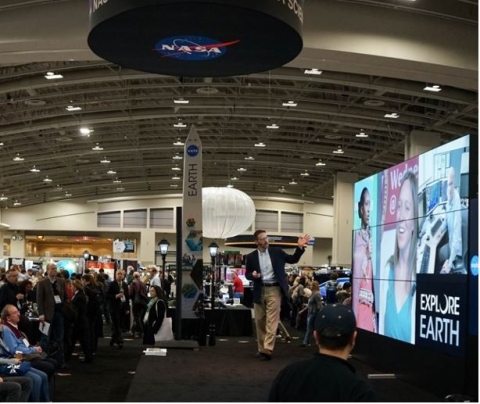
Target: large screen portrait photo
(410, 244)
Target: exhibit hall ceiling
(103, 131)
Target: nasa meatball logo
(192, 150)
(192, 48)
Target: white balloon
(227, 212)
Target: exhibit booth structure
(415, 270)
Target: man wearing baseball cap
(327, 376)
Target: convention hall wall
(81, 216)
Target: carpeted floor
(227, 372)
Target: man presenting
(266, 268)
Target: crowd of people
(44, 315)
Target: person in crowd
(15, 389)
(17, 341)
(39, 387)
(328, 376)
(81, 324)
(401, 266)
(102, 272)
(154, 314)
(168, 285)
(238, 288)
(130, 272)
(10, 291)
(102, 284)
(314, 305)
(65, 275)
(138, 295)
(364, 304)
(344, 293)
(94, 315)
(51, 295)
(452, 225)
(117, 295)
(298, 300)
(266, 268)
(155, 277)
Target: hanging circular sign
(197, 38)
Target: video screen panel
(410, 239)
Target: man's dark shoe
(265, 356)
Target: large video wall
(410, 249)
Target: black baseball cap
(338, 318)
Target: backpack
(331, 292)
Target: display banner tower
(192, 241)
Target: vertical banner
(192, 245)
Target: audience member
(154, 314)
(81, 326)
(138, 295)
(314, 305)
(117, 295)
(327, 377)
(238, 289)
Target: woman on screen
(400, 301)
(363, 303)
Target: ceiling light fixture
(177, 157)
(46, 179)
(178, 143)
(72, 108)
(97, 147)
(339, 150)
(316, 72)
(105, 161)
(234, 178)
(305, 174)
(272, 126)
(117, 181)
(176, 168)
(293, 182)
(179, 125)
(85, 131)
(174, 185)
(53, 76)
(261, 144)
(289, 104)
(229, 186)
(18, 158)
(282, 190)
(361, 134)
(3, 198)
(393, 115)
(180, 101)
(249, 158)
(320, 163)
(435, 88)
(121, 189)
(111, 172)
(68, 194)
(34, 169)
(175, 178)
(16, 203)
(241, 169)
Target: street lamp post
(213, 247)
(163, 245)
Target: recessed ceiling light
(241, 169)
(178, 143)
(293, 182)
(117, 181)
(179, 125)
(68, 194)
(34, 169)
(53, 76)
(47, 179)
(338, 151)
(229, 186)
(176, 168)
(58, 188)
(281, 189)
(361, 134)
(121, 189)
(105, 161)
(3, 198)
(320, 163)
(261, 144)
(97, 147)
(16, 203)
(18, 158)
(111, 172)
(316, 72)
(393, 115)
(305, 174)
(435, 88)
(289, 104)
(175, 177)
(177, 157)
(250, 158)
(174, 185)
(1, 143)
(180, 101)
(272, 126)
(72, 108)
(234, 178)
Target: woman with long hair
(156, 309)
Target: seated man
(326, 377)
(16, 341)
